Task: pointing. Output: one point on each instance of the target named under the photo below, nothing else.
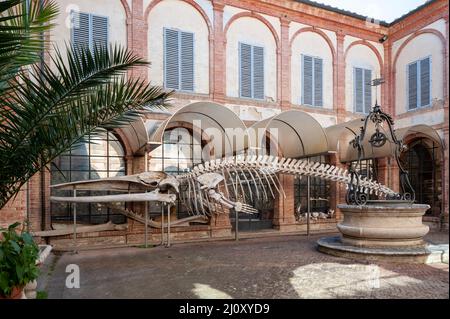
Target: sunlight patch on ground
(207, 292)
(334, 280)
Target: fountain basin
(383, 224)
(387, 231)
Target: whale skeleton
(216, 186)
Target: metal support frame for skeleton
(244, 178)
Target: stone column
(394, 178)
(445, 168)
(445, 129)
(139, 34)
(337, 190)
(386, 87)
(218, 82)
(284, 208)
(220, 225)
(339, 69)
(285, 84)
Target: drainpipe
(42, 173)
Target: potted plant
(18, 255)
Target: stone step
(439, 254)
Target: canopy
(136, 135)
(340, 136)
(294, 132)
(213, 120)
(420, 130)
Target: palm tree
(48, 107)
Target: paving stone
(283, 267)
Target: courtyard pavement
(276, 267)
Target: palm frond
(52, 108)
(22, 25)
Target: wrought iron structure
(358, 195)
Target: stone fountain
(388, 229)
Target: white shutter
(367, 91)
(187, 61)
(258, 72)
(171, 59)
(412, 86)
(99, 31)
(318, 82)
(425, 80)
(358, 90)
(307, 80)
(80, 30)
(245, 61)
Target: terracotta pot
(16, 293)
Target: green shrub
(18, 256)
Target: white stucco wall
(229, 12)
(332, 36)
(420, 47)
(325, 120)
(251, 31)
(360, 56)
(114, 10)
(429, 118)
(185, 18)
(313, 44)
(294, 27)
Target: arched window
(319, 191)
(180, 152)
(421, 161)
(99, 157)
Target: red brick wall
(287, 12)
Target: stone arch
(415, 35)
(203, 14)
(275, 37)
(332, 49)
(405, 43)
(128, 14)
(255, 16)
(319, 32)
(371, 47)
(127, 9)
(192, 3)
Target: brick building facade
(343, 48)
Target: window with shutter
(312, 81)
(412, 86)
(251, 71)
(307, 80)
(99, 31)
(367, 91)
(258, 72)
(89, 30)
(80, 30)
(187, 61)
(178, 60)
(425, 94)
(318, 82)
(362, 90)
(171, 59)
(419, 83)
(359, 90)
(245, 61)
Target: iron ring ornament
(357, 195)
(378, 139)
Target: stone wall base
(180, 234)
